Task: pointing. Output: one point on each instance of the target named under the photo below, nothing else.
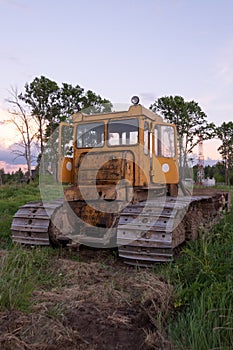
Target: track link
(31, 222)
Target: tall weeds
(21, 271)
(203, 278)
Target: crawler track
(145, 232)
(149, 232)
(31, 223)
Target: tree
(94, 104)
(42, 95)
(209, 171)
(2, 172)
(225, 134)
(219, 172)
(51, 104)
(18, 175)
(22, 121)
(190, 120)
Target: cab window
(164, 136)
(66, 146)
(90, 135)
(146, 138)
(123, 132)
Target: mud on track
(103, 304)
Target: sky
(149, 48)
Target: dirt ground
(103, 304)
(208, 191)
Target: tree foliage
(190, 120)
(225, 134)
(41, 96)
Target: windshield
(90, 135)
(123, 132)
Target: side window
(66, 142)
(146, 138)
(90, 135)
(156, 143)
(164, 141)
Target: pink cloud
(9, 168)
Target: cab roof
(133, 111)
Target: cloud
(148, 96)
(9, 168)
(7, 155)
(18, 4)
(11, 59)
(9, 134)
(224, 64)
(9, 162)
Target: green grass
(203, 297)
(11, 198)
(21, 271)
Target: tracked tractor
(120, 180)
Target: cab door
(164, 154)
(66, 149)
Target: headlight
(135, 100)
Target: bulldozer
(121, 188)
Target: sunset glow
(9, 137)
(9, 168)
(210, 149)
(8, 132)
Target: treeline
(16, 177)
(216, 172)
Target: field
(52, 299)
